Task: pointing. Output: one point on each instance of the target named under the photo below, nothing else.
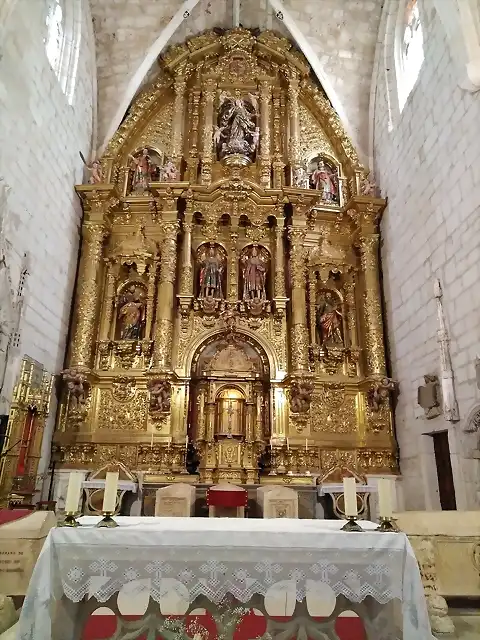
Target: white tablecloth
(216, 557)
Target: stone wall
(427, 162)
(41, 135)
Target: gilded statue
(131, 313)
(211, 272)
(77, 385)
(143, 170)
(301, 396)
(160, 394)
(380, 393)
(324, 180)
(254, 275)
(237, 131)
(329, 326)
(368, 186)
(300, 178)
(169, 173)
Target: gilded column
(186, 272)
(265, 99)
(178, 118)
(201, 430)
(294, 139)
(162, 354)
(278, 163)
(152, 277)
(207, 152)
(349, 287)
(258, 430)
(233, 293)
(279, 263)
(194, 121)
(88, 296)
(109, 301)
(375, 348)
(299, 336)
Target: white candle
(151, 441)
(73, 492)
(350, 497)
(385, 508)
(110, 492)
(186, 442)
(306, 445)
(288, 445)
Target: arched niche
(210, 271)
(131, 310)
(255, 273)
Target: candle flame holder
(107, 522)
(387, 525)
(352, 525)
(70, 520)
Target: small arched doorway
(229, 416)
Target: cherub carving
(368, 186)
(380, 393)
(160, 395)
(301, 396)
(77, 384)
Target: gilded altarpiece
(227, 322)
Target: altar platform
(302, 573)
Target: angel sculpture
(368, 186)
(95, 170)
(76, 384)
(236, 130)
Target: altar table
(218, 558)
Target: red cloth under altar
(217, 497)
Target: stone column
(186, 272)
(178, 118)
(294, 139)
(265, 98)
(207, 152)
(162, 353)
(299, 335)
(109, 301)
(279, 283)
(88, 296)
(375, 348)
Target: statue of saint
(329, 320)
(324, 180)
(236, 131)
(211, 272)
(143, 169)
(254, 276)
(131, 313)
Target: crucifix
(230, 413)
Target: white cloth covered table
(216, 557)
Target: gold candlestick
(70, 520)
(387, 525)
(108, 522)
(351, 525)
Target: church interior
(240, 253)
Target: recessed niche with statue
(227, 322)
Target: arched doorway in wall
(229, 413)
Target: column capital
(366, 212)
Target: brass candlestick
(351, 524)
(387, 525)
(107, 522)
(70, 520)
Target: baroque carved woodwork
(228, 304)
